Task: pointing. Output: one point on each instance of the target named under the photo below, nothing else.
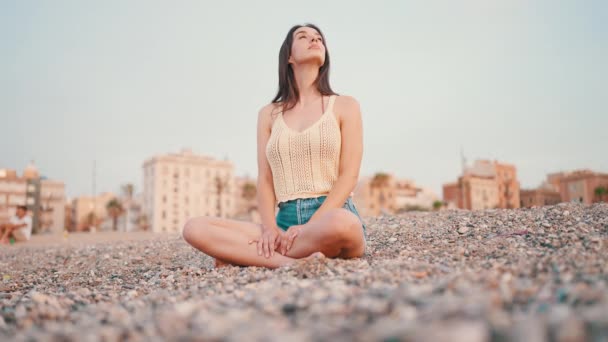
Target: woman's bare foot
(313, 256)
(220, 263)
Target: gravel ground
(494, 275)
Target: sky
(116, 82)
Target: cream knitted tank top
(305, 164)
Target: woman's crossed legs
(337, 233)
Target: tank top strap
(330, 104)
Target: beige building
(182, 185)
(486, 184)
(245, 199)
(44, 198)
(375, 195)
(12, 193)
(546, 194)
(385, 194)
(579, 185)
(52, 206)
(89, 211)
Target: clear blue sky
(119, 81)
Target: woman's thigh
(336, 233)
(250, 229)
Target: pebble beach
(533, 274)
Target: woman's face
(307, 47)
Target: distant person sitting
(19, 227)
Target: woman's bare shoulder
(268, 113)
(346, 105)
(270, 109)
(346, 101)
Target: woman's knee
(194, 229)
(344, 224)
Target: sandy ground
(86, 238)
(536, 274)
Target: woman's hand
(268, 241)
(288, 237)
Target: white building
(88, 211)
(182, 185)
(42, 196)
(52, 206)
(384, 193)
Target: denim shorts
(300, 210)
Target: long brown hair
(288, 93)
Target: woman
(310, 145)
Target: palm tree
(437, 205)
(221, 186)
(142, 222)
(90, 221)
(128, 190)
(380, 181)
(115, 209)
(600, 191)
(249, 191)
(128, 205)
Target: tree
(90, 221)
(115, 209)
(380, 180)
(142, 222)
(249, 191)
(600, 191)
(128, 190)
(437, 205)
(378, 188)
(508, 194)
(221, 186)
(128, 205)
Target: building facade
(89, 212)
(44, 198)
(486, 184)
(539, 197)
(579, 185)
(383, 193)
(182, 185)
(245, 199)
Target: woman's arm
(271, 234)
(265, 188)
(351, 153)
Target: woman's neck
(306, 75)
